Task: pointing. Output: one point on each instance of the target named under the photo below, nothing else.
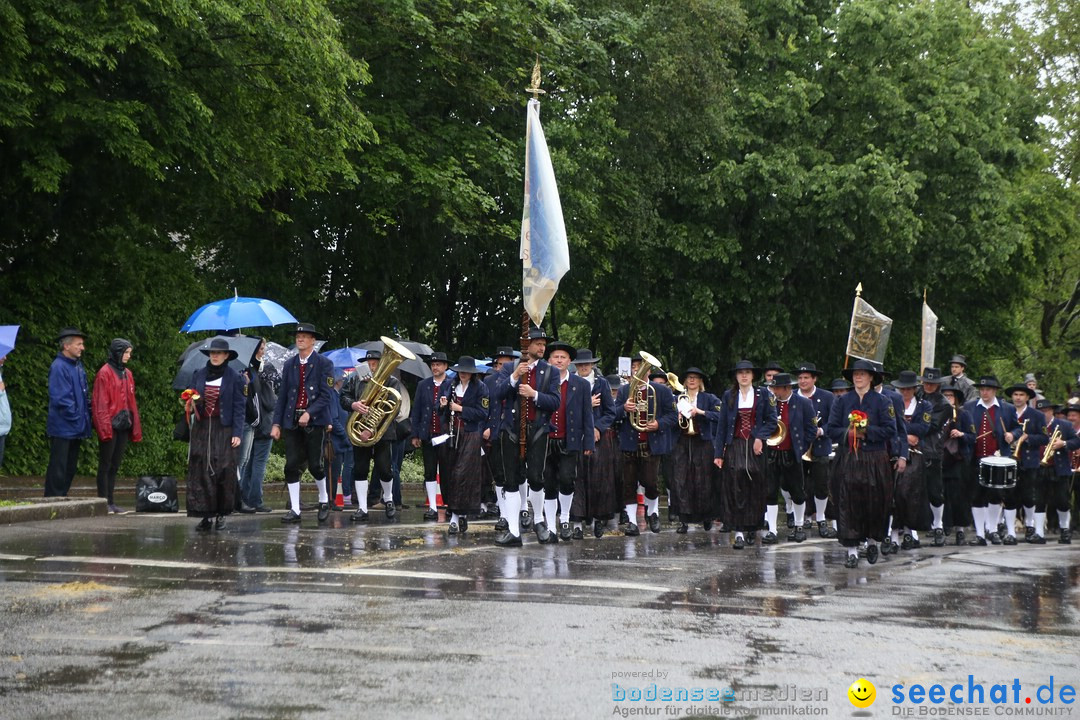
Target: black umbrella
(415, 367)
(244, 346)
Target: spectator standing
(116, 417)
(68, 421)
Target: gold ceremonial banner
(869, 333)
(929, 337)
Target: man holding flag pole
(545, 258)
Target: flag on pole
(544, 252)
(929, 336)
(869, 333)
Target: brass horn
(383, 402)
(646, 409)
(778, 435)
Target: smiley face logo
(862, 693)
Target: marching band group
(565, 450)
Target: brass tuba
(383, 402)
(640, 418)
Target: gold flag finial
(535, 88)
(858, 290)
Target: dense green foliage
(729, 171)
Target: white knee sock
(978, 516)
(652, 507)
(1040, 522)
(361, 494)
(1010, 522)
(454, 519)
(889, 528)
(631, 512)
(1063, 519)
(565, 501)
(511, 507)
(1029, 516)
(523, 493)
(294, 497)
(800, 514)
(320, 484)
(914, 534)
(770, 516)
(938, 511)
(787, 500)
(387, 490)
(499, 499)
(819, 504)
(551, 513)
(993, 516)
(536, 499)
(432, 489)
(577, 526)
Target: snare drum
(997, 473)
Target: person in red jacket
(116, 417)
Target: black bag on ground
(156, 493)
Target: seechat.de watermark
(971, 698)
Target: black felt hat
(906, 379)
(311, 330)
(871, 367)
(219, 345)
(560, 345)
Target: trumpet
(686, 423)
(1023, 434)
(1048, 456)
(646, 409)
(383, 402)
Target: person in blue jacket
(995, 427)
(864, 475)
(427, 423)
(1055, 479)
(911, 502)
(595, 497)
(212, 481)
(465, 410)
(303, 415)
(1032, 443)
(957, 446)
(68, 422)
(693, 474)
(785, 460)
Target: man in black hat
(594, 496)
(493, 490)
(995, 427)
(351, 393)
(932, 447)
(785, 471)
(428, 424)
(303, 416)
(530, 389)
(911, 507)
(68, 422)
(1054, 482)
(957, 368)
(769, 372)
(816, 469)
(1032, 442)
(571, 436)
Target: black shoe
(1029, 531)
(453, 529)
(264, 509)
(598, 529)
(358, 516)
(464, 524)
(1009, 540)
(916, 543)
(706, 525)
(1065, 538)
(852, 561)
(683, 527)
(798, 535)
(324, 512)
(751, 538)
(489, 513)
(654, 522)
(565, 533)
(501, 526)
(826, 530)
(960, 537)
(431, 514)
(507, 540)
(994, 538)
(671, 515)
(632, 530)
(204, 525)
(871, 553)
(978, 541)
(939, 537)
(739, 543)
(1002, 530)
(291, 517)
(791, 519)
(769, 539)
(543, 535)
(526, 520)
(623, 517)
(246, 509)
(578, 534)
(887, 547)
(907, 542)
(219, 524)
(391, 510)
(807, 524)
(1036, 539)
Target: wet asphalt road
(141, 616)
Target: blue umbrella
(345, 358)
(7, 338)
(235, 313)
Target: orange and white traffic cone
(339, 499)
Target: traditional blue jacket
(705, 425)
(1031, 451)
(231, 398)
(764, 418)
(898, 445)
(69, 400)
(1060, 463)
(604, 415)
(546, 402)
(800, 422)
(319, 379)
(662, 404)
(1006, 422)
(474, 405)
(579, 412)
(881, 416)
(822, 401)
(425, 407)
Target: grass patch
(14, 503)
